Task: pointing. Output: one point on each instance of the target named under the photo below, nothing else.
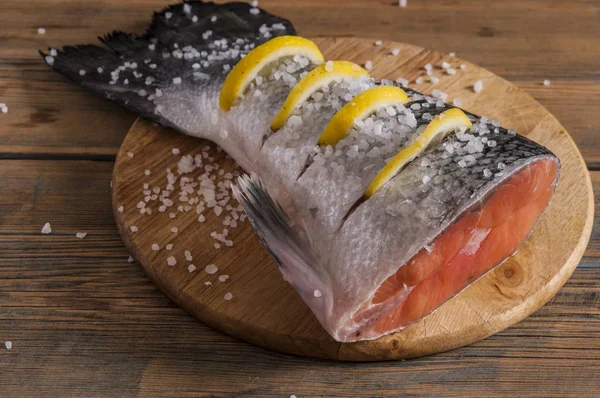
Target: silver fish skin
(334, 247)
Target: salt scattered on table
(223, 278)
(191, 268)
(478, 86)
(175, 151)
(228, 296)
(403, 3)
(169, 246)
(81, 235)
(3, 108)
(254, 11)
(395, 51)
(546, 82)
(41, 31)
(211, 269)
(207, 283)
(317, 293)
(130, 259)
(155, 247)
(133, 228)
(130, 154)
(369, 65)
(171, 261)
(174, 230)
(8, 345)
(46, 229)
(378, 42)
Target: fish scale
(324, 236)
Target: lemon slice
(437, 129)
(248, 67)
(316, 79)
(360, 107)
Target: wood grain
(267, 311)
(85, 322)
(522, 41)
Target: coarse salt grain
(175, 151)
(317, 293)
(8, 345)
(130, 259)
(169, 246)
(130, 154)
(120, 209)
(147, 172)
(3, 108)
(378, 42)
(81, 235)
(478, 86)
(213, 19)
(395, 51)
(223, 278)
(254, 3)
(445, 65)
(171, 261)
(402, 3)
(81, 72)
(228, 296)
(426, 179)
(456, 102)
(155, 247)
(46, 229)
(254, 11)
(546, 82)
(191, 268)
(176, 80)
(168, 15)
(174, 230)
(368, 65)
(207, 283)
(41, 31)
(211, 269)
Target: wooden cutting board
(265, 310)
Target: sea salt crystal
(368, 65)
(211, 269)
(191, 268)
(171, 261)
(329, 66)
(395, 51)
(254, 3)
(295, 121)
(463, 66)
(487, 173)
(147, 172)
(462, 163)
(403, 3)
(8, 345)
(81, 72)
(445, 65)
(223, 278)
(254, 11)
(81, 235)
(434, 79)
(133, 228)
(378, 42)
(217, 246)
(419, 80)
(228, 296)
(46, 229)
(41, 31)
(130, 259)
(451, 71)
(155, 247)
(169, 246)
(546, 82)
(402, 81)
(456, 102)
(176, 80)
(478, 86)
(187, 8)
(317, 293)
(426, 179)
(130, 154)
(168, 15)
(213, 18)
(207, 283)
(120, 209)
(174, 230)
(175, 151)
(452, 54)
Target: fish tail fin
(171, 60)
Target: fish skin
(343, 252)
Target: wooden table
(85, 322)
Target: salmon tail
(290, 251)
(185, 49)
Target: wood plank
(511, 39)
(84, 322)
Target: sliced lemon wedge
(316, 79)
(443, 124)
(249, 67)
(360, 107)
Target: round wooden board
(266, 311)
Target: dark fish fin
(134, 70)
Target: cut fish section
(359, 108)
(476, 243)
(249, 67)
(316, 79)
(438, 128)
